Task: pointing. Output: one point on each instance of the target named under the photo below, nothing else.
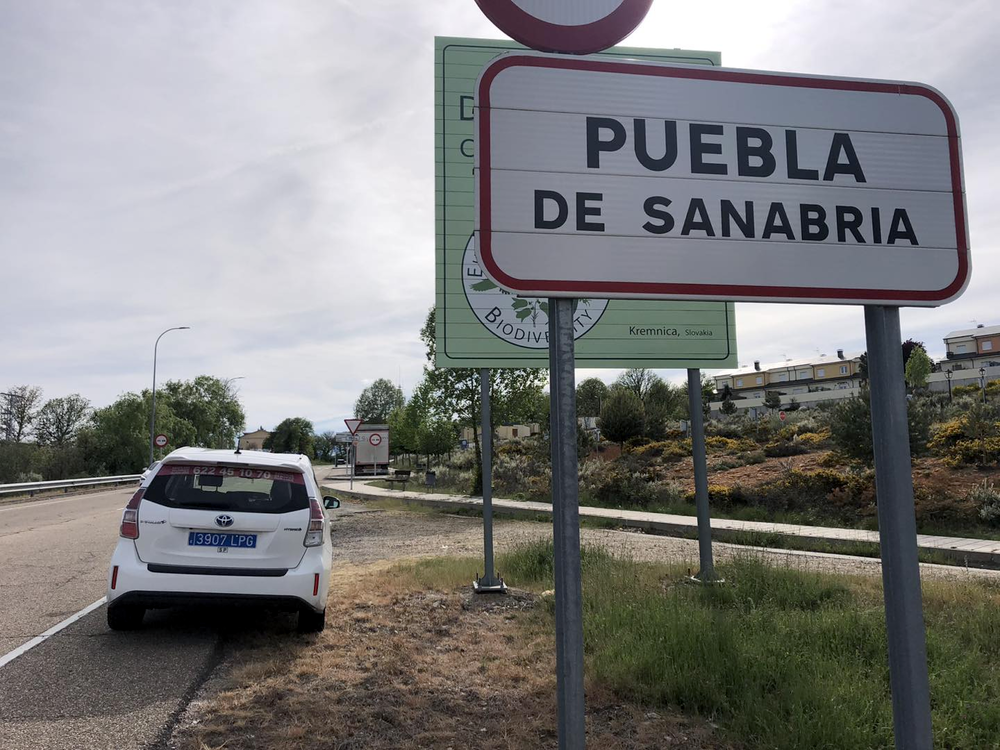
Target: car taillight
(314, 534)
(130, 517)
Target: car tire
(311, 621)
(125, 616)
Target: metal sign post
(566, 527)
(489, 583)
(897, 528)
(353, 425)
(706, 573)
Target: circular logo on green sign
(522, 321)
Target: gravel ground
(363, 534)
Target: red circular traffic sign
(782, 416)
(160, 441)
(576, 27)
(375, 439)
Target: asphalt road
(87, 686)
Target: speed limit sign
(375, 439)
(161, 441)
(576, 27)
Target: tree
(666, 397)
(377, 402)
(918, 368)
(638, 380)
(454, 394)
(707, 395)
(590, 395)
(118, 441)
(728, 407)
(18, 410)
(435, 437)
(293, 435)
(851, 427)
(793, 404)
(60, 419)
(622, 416)
(210, 405)
(323, 445)
(908, 348)
(772, 400)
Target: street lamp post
(982, 381)
(948, 374)
(152, 411)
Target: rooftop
(984, 331)
(824, 359)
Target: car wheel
(311, 621)
(125, 616)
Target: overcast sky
(262, 171)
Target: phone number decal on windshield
(230, 471)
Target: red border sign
(375, 439)
(353, 425)
(160, 441)
(584, 39)
(564, 287)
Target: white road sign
(574, 26)
(627, 179)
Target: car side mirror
(331, 503)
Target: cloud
(263, 172)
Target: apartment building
(254, 441)
(807, 380)
(972, 348)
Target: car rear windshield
(224, 488)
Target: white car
(214, 526)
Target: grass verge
(780, 659)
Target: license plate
(211, 539)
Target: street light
(982, 381)
(948, 374)
(152, 412)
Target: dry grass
(403, 665)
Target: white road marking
(10, 656)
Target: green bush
(667, 449)
(972, 439)
(729, 445)
(637, 442)
(987, 500)
(823, 493)
(851, 427)
(784, 449)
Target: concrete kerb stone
(982, 553)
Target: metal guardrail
(30, 488)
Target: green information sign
(480, 324)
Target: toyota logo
(224, 521)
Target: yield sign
(353, 424)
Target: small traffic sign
(782, 416)
(353, 425)
(578, 27)
(375, 439)
(161, 441)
